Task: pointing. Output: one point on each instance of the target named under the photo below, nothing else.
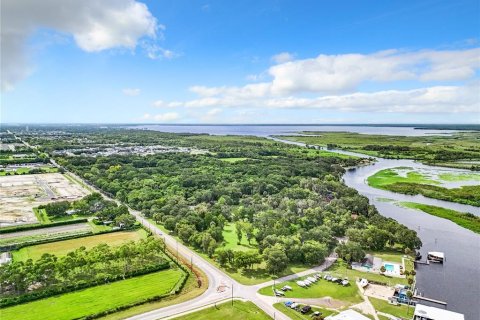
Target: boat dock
(430, 300)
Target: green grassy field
(460, 177)
(465, 220)
(292, 314)
(386, 177)
(397, 311)
(320, 289)
(239, 311)
(21, 171)
(231, 240)
(61, 248)
(93, 300)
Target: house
(423, 312)
(348, 315)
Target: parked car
(287, 288)
(305, 309)
(288, 304)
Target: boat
(435, 256)
(363, 283)
(418, 256)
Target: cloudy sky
(179, 61)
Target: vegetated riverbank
(460, 150)
(414, 183)
(466, 220)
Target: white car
(301, 284)
(311, 279)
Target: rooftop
(437, 313)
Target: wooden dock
(430, 300)
(422, 262)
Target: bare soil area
(19, 194)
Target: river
(457, 281)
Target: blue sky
(240, 61)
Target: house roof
(437, 313)
(349, 315)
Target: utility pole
(232, 294)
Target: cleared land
(21, 193)
(61, 248)
(231, 240)
(97, 299)
(465, 220)
(239, 311)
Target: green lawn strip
(397, 311)
(293, 314)
(61, 248)
(41, 215)
(238, 311)
(233, 160)
(388, 256)
(465, 220)
(319, 289)
(248, 277)
(340, 269)
(94, 300)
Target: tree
(350, 251)
(239, 230)
(276, 259)
(248, 228)
(313, 252)
(383, 269)
(125, 221)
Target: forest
(292, 204)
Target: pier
(430, 300)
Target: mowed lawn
(319, 289)
(239, 311)
(93, 300)
(61, 248)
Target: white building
(348, 315)
(423, 312)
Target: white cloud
(132, 92)
(163, 104)
(430, 99)
(282, 57)
(94, 25)
(155, 52)
(162, 117)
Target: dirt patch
(21, 193)
(378, 291)
(52, 230)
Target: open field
(231, 240)
(465, 220)
(21, 193)
(61, 248)
(233, 160)
(93, 300)
(239, 311)
(292, 314)
(27, 170)
(319, 289)
(397, 311)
